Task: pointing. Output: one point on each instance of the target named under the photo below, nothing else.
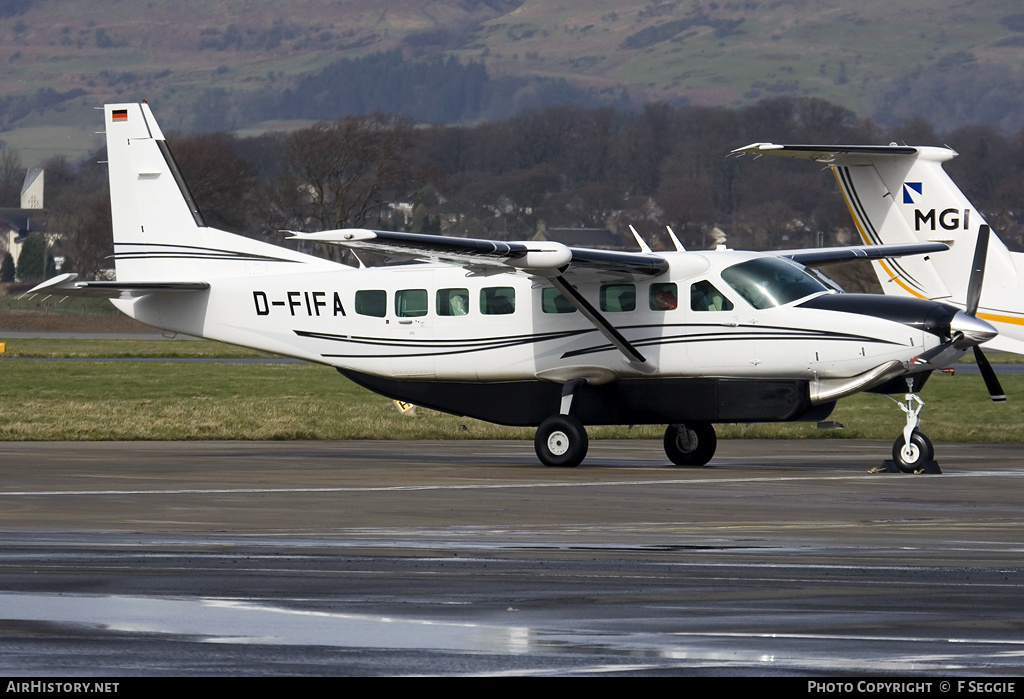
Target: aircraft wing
(560, 264)
(832, 155)
(66, 285)
(825, 256)
(539, 257)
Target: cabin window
(705, 297)
(497, 300)
(372, 303)
(767, 282)
(618, 297)
(411, 303)
(663, 297)
(452, 302)
(552, 301)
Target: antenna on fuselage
(675, 240)
(644, 247)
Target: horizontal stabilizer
(833, 155)
(66, 285)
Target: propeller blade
(977, 271)
(988, 373)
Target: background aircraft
(902, 194)
(529, 333)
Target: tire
(561, 441)
(690, 444)
(920, 452)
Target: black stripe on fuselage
(191, 252)
(436, 347)
(443, 347)
(757, 334)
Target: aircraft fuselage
(421, 331)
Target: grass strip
(115, 348)
(49, 400)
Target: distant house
(32, 189)
(15, 227)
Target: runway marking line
(497, 486)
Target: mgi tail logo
(949, 219)
(909, 187)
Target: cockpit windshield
(767, 282)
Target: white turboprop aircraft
(528, 333)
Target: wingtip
(53, 283)
(757, 148)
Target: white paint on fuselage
(313, 317)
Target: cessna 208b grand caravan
(527, 333)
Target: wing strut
(632, 354)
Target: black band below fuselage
(626, 402)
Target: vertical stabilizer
(910, 198)
(159, 232)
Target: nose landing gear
(912, 452)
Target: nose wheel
(913, 456)
(912, 452)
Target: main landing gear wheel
(561, 441)
(911, 458)
(690, 444)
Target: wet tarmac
(468, 558)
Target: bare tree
(222, 181)
(341, 172)
(87, 242)
(12, 173)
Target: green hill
(241, 64)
